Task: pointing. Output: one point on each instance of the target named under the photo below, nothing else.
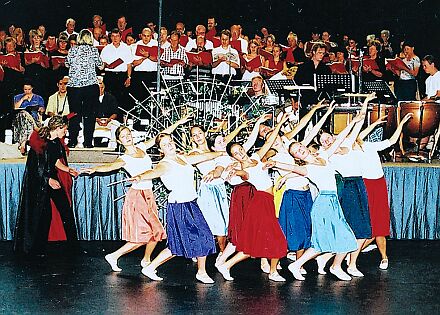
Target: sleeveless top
(293, 183)
(257, 176)
(179, 179)
(135, 166)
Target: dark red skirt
(241, 194)
(260, 234)
(379, 206)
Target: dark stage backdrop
(418, 20)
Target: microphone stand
(361, 65)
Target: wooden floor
(82, 283)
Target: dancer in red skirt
(260, 234)
(375, 183)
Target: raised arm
(150, 142)
(399, 128)
(268, 144)
(312, 134)
(116, 165)
(358, 126)
(199, 158)
(341, 137)
(156, 172)
(300, 170)
(254, 133)
(237, 130)
(371, 127)
(304, 121)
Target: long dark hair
(120, 147)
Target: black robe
(35, 213)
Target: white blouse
(135, 166)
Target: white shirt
(433, 84)
(146, 65)
(208, 166)
(411, 64)
(370, 161)
(258, 176)
(135, 166)
(322, 176)
(348, 165)
(110, 53)
(165, 45)
(223, 68)
(192, 44)
(179, 179)
(295, 183)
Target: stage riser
(414, 193)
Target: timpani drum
(425, 120)
(378, 110)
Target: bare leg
(201, 265)
(147, 255)
(274, 275)
(201, 275)
(295, 267)
(228, 251)
(224, 268)
(352, 268)
(336, 268)
(112, 258)
(381, 242)
(322, 261)
(221, 240)
(163, 257)
(354, 255)
(240, 256)
(368, 242)
(273, 265)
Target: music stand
(334, 83)
(275, 86)
(382, 89)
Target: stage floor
(84, 283)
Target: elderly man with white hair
(70, 27)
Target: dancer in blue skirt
(187, 231)
(330, 231)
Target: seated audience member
(106, 112)
(30, 109)
(58, 103)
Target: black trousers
(83, 101)
(114, 84)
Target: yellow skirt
(278, 196)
